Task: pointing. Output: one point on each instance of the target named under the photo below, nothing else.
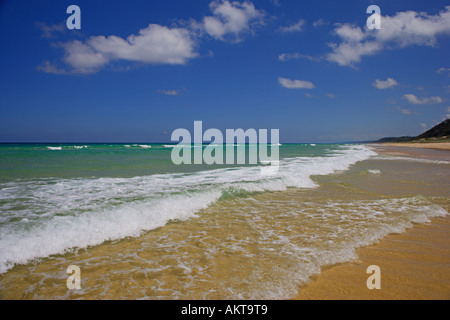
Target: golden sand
(436, 145)
(414, 264)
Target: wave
(331, 235)
(54, 148)
(88, 229)
(64, 214)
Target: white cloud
(48, 67)
(296, 27)
(423, 125)
(399, 31)
(319, 23)
(331, 95)
(51, 31)
(347, 53)
(153, 45)
(350, 33)
(413, 99)
(156, 44)
(82, 58)
(385, 84)
(407, 111)
(230, 19)
(295, 84)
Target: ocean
(140, 227)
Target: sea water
(141, 227)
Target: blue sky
(137, 70)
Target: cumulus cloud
(82, 58)
(152, 45)
(296, 27)
(230, 20)
(413, 99)
(347, 53)
(295, 84)
(385, 84)
(399, 31)
(156, 44)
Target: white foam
(61, 233)
(54, 148)
(344, 227)
(68, 213)
(145, 146)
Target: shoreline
(414, 266)
(425, 145)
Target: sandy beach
(414, 264)
(437, 145)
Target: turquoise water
(201, 231)
(25, 161)
(49, 192)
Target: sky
(138, 70)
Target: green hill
(442, 130)
(438, 133)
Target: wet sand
(413, 265)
